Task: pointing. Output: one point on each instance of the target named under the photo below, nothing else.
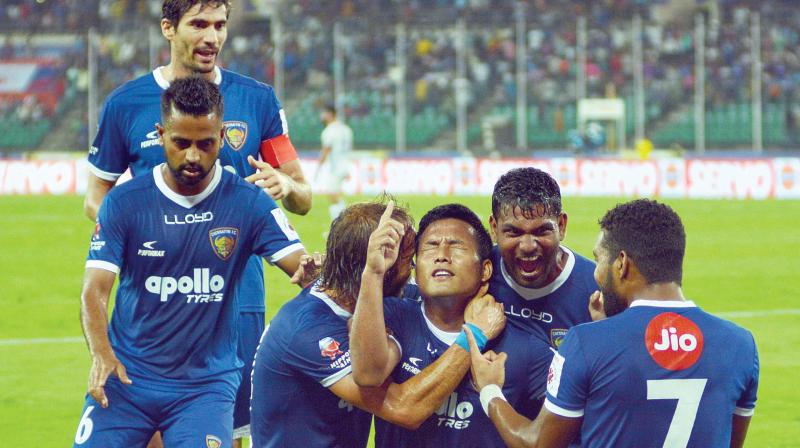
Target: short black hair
(173, 10)
(194, 96)
(534, 191)
(329, 108)
(652, 234)
(461, 213)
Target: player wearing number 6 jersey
(660, 372)
(179, 238)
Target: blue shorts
(185, 418)
(251, 325)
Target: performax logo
(673, 341)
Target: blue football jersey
(304, 351)
(127, 138)
(658, 374)
(460, 420)
(549, 311)
(179, 259)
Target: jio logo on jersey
(673, 341)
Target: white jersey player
(334, 159)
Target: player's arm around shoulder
(410, 403)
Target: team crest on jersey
(329, 348)
(557, 336)
(235, 134)
(223, 241)
(213, 441)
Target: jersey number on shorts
(84, 427)
(688, 393)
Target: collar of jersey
(444, 336)
(186, 201)
(341, 312)
(538, 293)
(663, 303)
(164, 84)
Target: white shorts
(331, 178)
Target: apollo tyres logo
(201, 287)
(454, 413)
(673, 341)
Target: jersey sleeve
(275, 238)
(275, 123)
(276, 148)
(322, 354)
(540, 357)
(568, 379)
(107, 248)
(746, 404)
(108, 156)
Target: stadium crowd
(369, 48)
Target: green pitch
(743, 256)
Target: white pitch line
(36, 341)
(758, 313)
(724, 314)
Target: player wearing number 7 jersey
(660, 372)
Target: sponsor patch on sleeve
(554, 375)
(283, 223)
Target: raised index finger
(387, 214)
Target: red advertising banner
(679, 178)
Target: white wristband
(489, 392)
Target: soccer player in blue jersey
(543, 285)
(303, 391)
(179, 238)
(658, 372)
(256, 142)
(453, 261)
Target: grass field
(743, 257)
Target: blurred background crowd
(47, 44)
